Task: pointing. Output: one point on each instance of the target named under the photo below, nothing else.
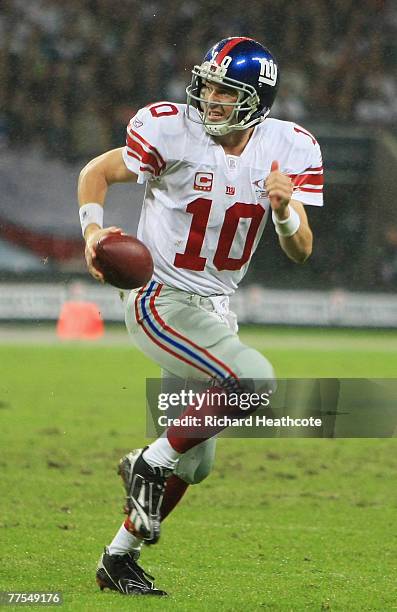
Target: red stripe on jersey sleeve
(147, 158)
(147, 145)
(145, 168)
(310, 179)
(318, 170)
(310, 176)
(319, 191)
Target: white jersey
(204, 211)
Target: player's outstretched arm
(289, 216)
(94, 181)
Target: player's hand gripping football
(279, 187)
(92, 236)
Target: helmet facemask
(246, 109)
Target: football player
(215, 170)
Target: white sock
(124, 542)
(161, 454)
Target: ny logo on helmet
(268, 73)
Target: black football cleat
(144, 486)
(123, 574)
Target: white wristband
(287, 227)
(90, 213)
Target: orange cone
(80, 320)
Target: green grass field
(281, 524)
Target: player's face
(217, 98)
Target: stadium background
(319, 532)
(73, 74)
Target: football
(124, 261)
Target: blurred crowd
(72, 73)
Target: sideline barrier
(252, 304)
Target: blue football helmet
(244, 65)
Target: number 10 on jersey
(200, 208)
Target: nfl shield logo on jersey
(203, 181)
(260, 188)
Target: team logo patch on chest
(203, 181)
(230, 190)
